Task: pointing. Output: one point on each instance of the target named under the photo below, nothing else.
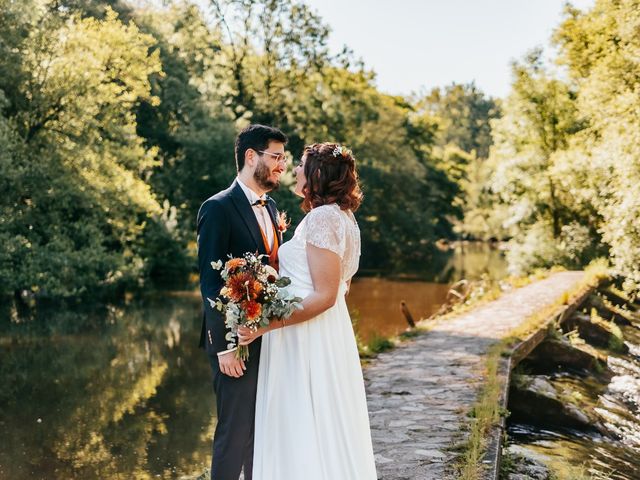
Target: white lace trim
(325, 229)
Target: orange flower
(252, 310)
(256, 290)
(237, 285)
(235, 263)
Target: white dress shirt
(263, 218)
(261, 213)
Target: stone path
(420, 392)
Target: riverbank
(421, 393)
(574, 397)
(481, 455)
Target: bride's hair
(330, 170)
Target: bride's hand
(247, 335)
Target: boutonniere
(283, 221)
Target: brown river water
(123, 392)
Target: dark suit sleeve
(213, 245)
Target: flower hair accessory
(341, 150)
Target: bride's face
(301, 180)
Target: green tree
(283, 74)
(79, 205)
(191, 126)
(567, 162)
(600, 48)
(463, 114)
(547, 224)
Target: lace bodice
(335, 229)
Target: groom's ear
(249, 157)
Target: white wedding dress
(311, 411)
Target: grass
(487, 410)
(379, 343)
(564, 471)
(485, 413)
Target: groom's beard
(262, 176)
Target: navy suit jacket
(227, 226)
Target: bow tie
(259, 203)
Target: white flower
(216, 265)
(271, 271)
(337, 151)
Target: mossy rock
(536, 400)
(553, 355)
(598, 334)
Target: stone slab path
(420, 392)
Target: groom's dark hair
(256, 137)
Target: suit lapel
(271, 208)
(246, 213)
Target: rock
(620, 317)
(539, 385)
(524, 465)
(553, 354)
(534, 399)
(616, 299)
(595, 333)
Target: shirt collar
(250, 194)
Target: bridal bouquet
(252, 294)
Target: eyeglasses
(279, 157)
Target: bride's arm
(324, 266)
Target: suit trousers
(236, 406)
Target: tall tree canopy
(76, 205)
(567, 156)
(118, 119)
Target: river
(123, 392)
(611, 398)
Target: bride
(311, 412)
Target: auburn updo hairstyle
(331, 176)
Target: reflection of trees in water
(475, 260)
(125, 399)
(466, 260)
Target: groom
(233, 222)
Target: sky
(415, 45)
(421, 44)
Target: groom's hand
(230, 365)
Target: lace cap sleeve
(325, 229)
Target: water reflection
(374, 304)
(124, 392)
(472, 261)
(599, 457)
(375, 301)
(128, 399)
(469, 260)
